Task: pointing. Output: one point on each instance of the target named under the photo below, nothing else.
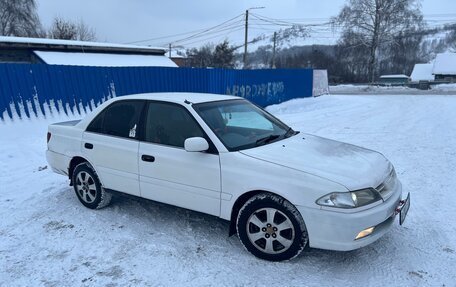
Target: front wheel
(271, 228)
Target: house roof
(445, 64)
(103, 59)
(175, 55)
(75, 46)
(422, 72)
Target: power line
(207, 32)
(213, 37)
(164, 37)
(267, 24)
(215, 34)
(194, 33)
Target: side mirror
(196, 144)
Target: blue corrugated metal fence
(32, 90)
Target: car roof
(194, 98)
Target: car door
(170, 174)
(111, 145)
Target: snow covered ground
(47, 238)
(441, 89)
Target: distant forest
(345, 62)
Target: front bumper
(334, 230)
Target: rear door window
(120, 119)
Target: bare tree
(451, 39)
(67, 30)
(19, 18)
(84, 32)
(378, 22)
(201, 57)
(63, 29)
(286, 36)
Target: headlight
(350, 199)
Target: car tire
(88, 188)
(271, 228)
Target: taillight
(48, 137)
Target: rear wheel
(88, 188)
(271, 228)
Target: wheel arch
(240, 201)
(73, 163)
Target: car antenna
(188, 102)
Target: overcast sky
(122, 21)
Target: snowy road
(47, 238)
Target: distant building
(423, 72)
(394, 80)
(77, 53)
(445, 68)
(179, 59)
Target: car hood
(349, 165)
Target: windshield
(241, 125)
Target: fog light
(365, 232)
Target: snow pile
(445, 88)
(350, 89)
(440, 89)
(47, 238)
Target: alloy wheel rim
(86, 188)
(270, 230)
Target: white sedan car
(282, 190)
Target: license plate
(404, 210)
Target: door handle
(88, 146)
(147, 158)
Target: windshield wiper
(290, 132)
(266, 140)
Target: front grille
(387, 187)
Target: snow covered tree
(19, 18)
(220, 56)
(374, 23)
(201, 57)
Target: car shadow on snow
(167, 219)
(212, 231)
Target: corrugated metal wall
(33, 90)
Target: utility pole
(247, 33)
(274, 51)
(246, 37)
(169, 50)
